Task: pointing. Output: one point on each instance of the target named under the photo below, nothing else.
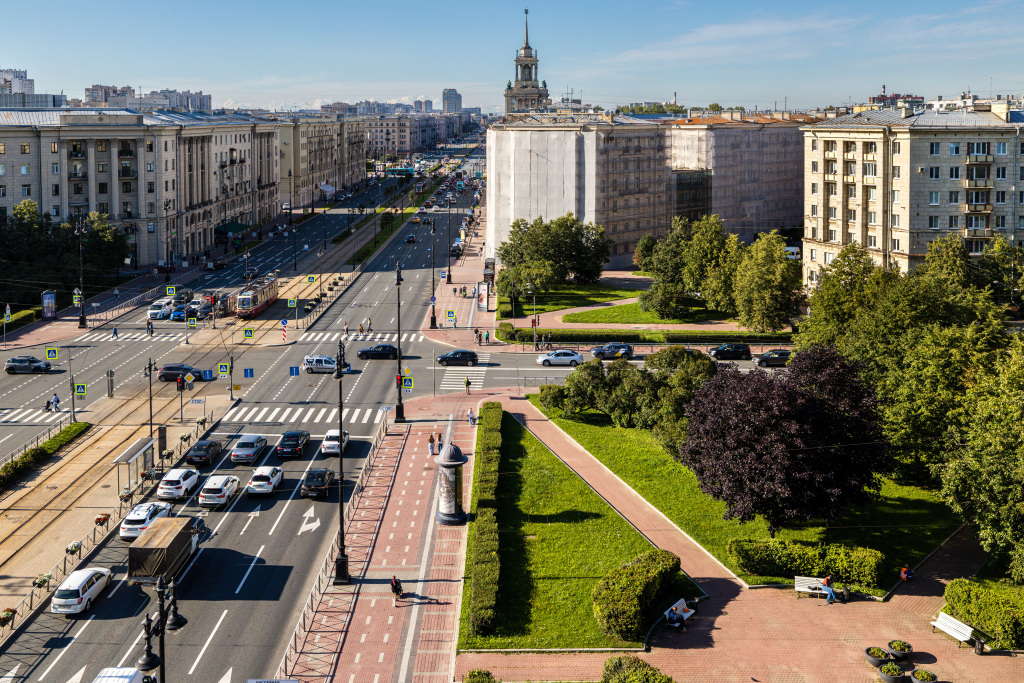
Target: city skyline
(793, 56)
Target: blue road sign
(207, 375)
(51, 354)
(443, 273)
(294, 371)
(79, 390)
(311, 279)
(224, 368)
(292, 303)
(433, 299)
(407, 383)
(248, 372)
(247, 332)
(284, 321)
(451, 315)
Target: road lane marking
(270, 418)
(203, 651)
(9, 677)
(334, 414)
(131, 649)
(284, 415)
(251, 565)
(367, 416)
(321, 415)
(67, 647)
(259, 418)
(294, 491)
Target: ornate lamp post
(167, 619)
(341, 575)
(399, 408)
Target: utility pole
(341, 575)
(149, 374)
(71, 372)
(399, 408)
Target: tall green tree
(719, 289)
(573, 248)
(644, 252)
(768, 285)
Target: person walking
(360, 328)
(369, 325)
(56, 403)
(472, 419)
(476, 335)
(440, 443)
(467, 383)
(396, 591)
(430, 445)
(149, 327)
(346, 329)
(113, 332)
(487, 338)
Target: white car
(76, 592)
(560, 357)
(218, 490)
(333, 444)
(178, 484)
(159, 309)
(137, 521)
(264, 480)
(248, 448)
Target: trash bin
(979, 646)
(846, 594)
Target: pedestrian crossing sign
(79, 390)
(247, 333)
(451, 315)
(292, 303)
(7, 316)
(76, 299)
(170, 290)
(191, 322)
(407, 382)
(223, 369)
(311, 279)
(51, 354)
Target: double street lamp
(167, 619)
(433, 284)
(399, 408)
(341, 575)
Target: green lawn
(630, 314)
(905, 524)
(565, 296)
(558, 538)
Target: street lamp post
(529, 290)
(399, 408)
(433, 284)
(341, 575)
(167, 242)
(149, 373)
(80, 229)
(167, 619)
(319, 258)
(448, 270)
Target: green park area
(632, 314)
(561, 297)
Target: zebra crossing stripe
(321, 415)
(344, 413)
(270, 418)
(13, 417)
(250, 415)
(259, 418)
(421, 338)
(227, 415)
(334, 413)
(366, 417)
(378, 416)
(284, 415)
(306, 419)
(51, 418)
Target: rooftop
(91, 117)
(925, 118)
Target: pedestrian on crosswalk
(346, 329)
(467, 383)
(430, 445)
(369, 325)
(47, 407)
(56, 403)
(113, 332)
(149, 327)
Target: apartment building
(320, 155)
(451, 101)
(170, 181)
(16, 82)
(896, 179)
(404, 135)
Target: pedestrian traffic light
(181, 384)
(398, 381)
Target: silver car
(137, 521)
(248, 448)
(560, 357)
(26, 364)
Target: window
(954, 173)
(977, 148)
(1001, 148)
(101, 188)
(55, 211)
(814, 188)
(828, 258)
(55, 190)
(165, 145)
(55, 169)
(1022, 171)
(872, 194)
(894, 244)
(101, 167)
(872, 218)
(1000, 222)
(149, 145)
(895, 220)
(872, 242)
(814, 232)
(814, 167)
(3, 147)
(895, 196)
(831, 188)
(150, 207)
(25, 168)
(1000, 197)
(954, 222)
(933, 222)
(870, 169)
(832, 236)
(933, 173)
(101, 145)
(870, 147)
(933, 148)
(26, 190)
(26, 148)
(974, 197)
(895, 171)
(933, 198)
(3, 190)
(814, 254)
(851, 191)
(3, 170)
(103, 207)
(814, 209)
(954, 149)
(851, 214)
(53, 147)
(954, 197)
(126, 188)
(976, 222)
(851, 168)
(814, 145)
(1000, 173)
(76, 188)
(830, 167)
(150, 166)
(150, 187)
(895, 148)
(832, 212)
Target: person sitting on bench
(827, 587)
(674, 618)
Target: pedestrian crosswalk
(302, 415)
(131, 336)
(455, 378)
(27, 416)
(369, 337)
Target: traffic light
(398, 381)
(181, 384)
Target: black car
(612, 350)
(730, 352)
(774, 358)
(292, 443)
(173, 371)
(203, 452)
(181, 297)
(26, 364)
(317, 483)
(458, 357)
(410, 239)
(379, 351)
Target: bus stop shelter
(133, 463)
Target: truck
(162, 549)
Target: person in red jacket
(827, 587)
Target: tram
(256, 297)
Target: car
(192, 307)
(173, 371)
(774, 358)
(410, 239)
(292, 443)
(415, 219)
(137, 521)
(178, 314)
(612, 350)
(379, 351)
(218, 490)
(319, 363)
(181, 296)
(264, 480)
(159, 310)
(177, 484)
(248, 448)
(560, 357)
(205, 311)
(332, 444)
(217, 264)
(317, 483)
(203, 452)
(437, 208)
(458, 357)
(730, 352)
(76, 592)
(26, 364)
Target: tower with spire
(526, 93)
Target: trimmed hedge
(480, 676)
(631, 669)
(995, 613)
(582, 336)
(856, 565)
(623, 597)
(11, 471)
(484, 563)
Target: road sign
(190, 378)
(408, 391)
(433, 299)
(7, 316)
(407, 382)
(443, 274)
(207, 375)
(76, 300)
(223, 368)
(451, 315)
(248, 373)
(191, 322)
(79, 390)
(311, 279)
(284, 321)
(236, 387)
(293, 371)
(171, 289)
(76, 291)
(292, 303)
(407, 370)
(247, 332)
(387, 409)
(51, 354)
(197, 400)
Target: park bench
(680, 608)
(953, 627)
(808, 584)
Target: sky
(285, 55)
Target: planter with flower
(924, 675)
(890, 672)
(877, 656)
(74, 548)
(101, 520)
(900, 649)
(201, 421)
(6, 616)
(42, 580)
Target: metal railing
(324, 576)
(37, 439)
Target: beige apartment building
(320, 155)
(896, 179)
(171, 181)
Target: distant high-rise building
(16, 81)
(417, 105)
(428, 106)
(451, 101)
(184, 99)
(526, 94)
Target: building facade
(895, 180)
(405, 135)
(451, 101)
(170, 181)
(319, 156)
(16, 82)
(526, 93)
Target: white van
(123, 674)
(159, 309)
(317, 363)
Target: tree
(644, 252)
(719, 290)
(571, 246)
(948, 258)
(512, 281)
(714, 106)
(768, 285)
(803, 446)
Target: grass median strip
(12, 471)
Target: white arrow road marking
(295, 490)
(226, 678)
(9, 678)
(251, 565)
(212, 634)
(255, 513)
(77, 678)
(306, 524)
(67, 647)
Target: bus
(401, 172)
(256, 297)
(420, 187)
(458, 186)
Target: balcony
(979, 182)
(126, 154)
(223, 164)
(127, 216)
(127, 173)
(77, 175)
(870, 156)
(979, 159)
(850, 156)
(977, 232)
(979, 208)
(78, 200)
(849, 178)
(830, 177)
(830, 155)
(869, 180)
(77, 154)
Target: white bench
(953, 627)
(808, 584)
(681, 610)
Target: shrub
(590, 336)
(997, 613)
(899, 645)
(855, 565)
(623, 597)
(485, 565)
(926, 676)
(479, 676)
(878, 653)
(14, 469)
(891, 669)
(631, 669)
(552, 396)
